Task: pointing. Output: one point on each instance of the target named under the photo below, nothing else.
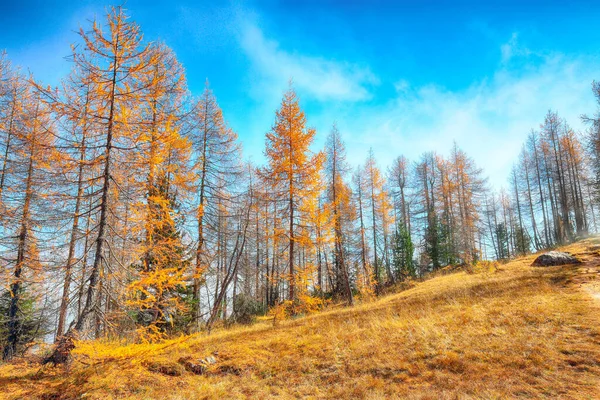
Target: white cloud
(402, 86)
(490, 119)
(513, 49)
(317, 78)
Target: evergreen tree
(522, 241)
(503, 241)
(32, 325)
(402, 252)
(433, 243)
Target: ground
(495, 333)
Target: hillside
(515, 331)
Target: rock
(166, 368)
(230, 369)
(210, 360)
(194, 368)
(197, 367)
(554, 258)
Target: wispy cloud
(490, 119)
(513, 49)
(314, 77)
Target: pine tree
(503, 246)
(403, 251)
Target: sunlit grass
(515, 331)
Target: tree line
(126, 208)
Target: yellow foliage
(304, 303)
(485, 266)
(152, 293)
(365, 284)
(295, 172)
(281, 311)
(150, 334)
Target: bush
(246, 308)
(485, 266)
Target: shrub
(246, 308)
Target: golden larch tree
(292, 170)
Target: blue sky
(402, 77)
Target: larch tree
(32, 157)
(575, 166)
(525, 166)
(114, 59)
(551, 134)
(163, 168)
(234, 259)
(292, 171)
(13, 90)
(469, 186)
(399, 179)
(72, 107)
(377, 208)
(336, 168)
(534, 150)
(360, 198)
(215, 156)
(593, 142)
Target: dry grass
(515, 331)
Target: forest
(127, 209)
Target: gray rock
(198, 367)
(554, 258)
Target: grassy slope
(516, 332)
